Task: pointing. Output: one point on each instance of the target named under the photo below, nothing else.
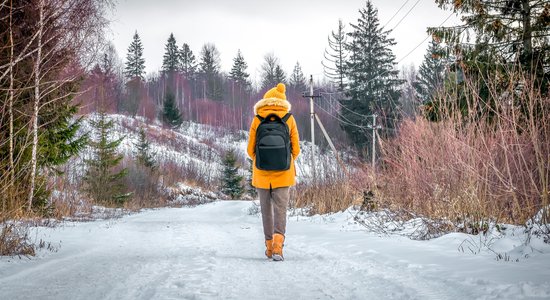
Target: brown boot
(278, 240)
(269, 248)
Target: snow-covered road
(215, 251)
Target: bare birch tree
(47, 46)
(34, 119)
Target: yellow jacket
(273, 179)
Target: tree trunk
(527, 31)
(10, 113)
(34, 119)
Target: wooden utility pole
(312, 117)
(315, 117)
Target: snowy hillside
(201, 145)
(215, 251)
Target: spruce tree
(144, 155)
(188, 65)
(510, 31)
(103, 183)
(170, 112)
(297, 79)
(135, 63)
(134, 71)
(280, 75)
(373, 86)
(210, 59)
(210, 70)
(231, 180)
(171, 59)
(336, 55)
(431, 73)
(272, 73)
(238, 71)
(496, 41)
(409, 101)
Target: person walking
(273, 146)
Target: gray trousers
(273, 205)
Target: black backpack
(273, 143)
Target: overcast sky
(293, 30)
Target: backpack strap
(286, 117)
(260, 118)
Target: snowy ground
(216, 251)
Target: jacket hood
(272, 102)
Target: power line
(394, 15)
(408, 12)
(346, 121)
(415, 4)
(356, 113)
(349, 123)
(399, 61)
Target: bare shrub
(143, 182)
(194, 173)
(473, 168)
(254, 209)
(184, 195)
(14, 241)
(67, 199)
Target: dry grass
(325, 198)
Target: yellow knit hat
(276, 92)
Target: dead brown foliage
(486, 165)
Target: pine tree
(210, 70)
(171, 114)
(135, 63)
(297, 79)
(336, 55)
(373, 86)
(143, 151)
(171, 59)
(103, 183)
(431, 73)
(188, 65)
(238, 71)
(231, 180)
